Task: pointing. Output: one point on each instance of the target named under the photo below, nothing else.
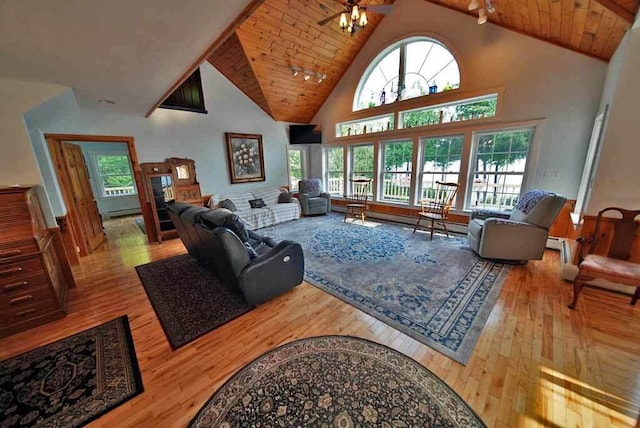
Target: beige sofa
(256, 218)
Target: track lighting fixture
(307, 74)
(473, 5)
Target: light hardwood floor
(537, 363)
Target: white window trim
(100, 182)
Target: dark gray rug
(188, 299)
(70, 382)
(335, 381)
(438, 292)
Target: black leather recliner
(261, 268)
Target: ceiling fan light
(355, 13)
(482, 16)
(363, 19)
(343, 20)
(307, 75)
(295, 70)
(473, 5)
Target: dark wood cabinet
(173, 179)
(33, 273)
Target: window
(408, 69)
(468, 109)
(115, 174)
(296, 167)
(441, 157)
(362, 165)
(499, 162)
(396, 175)
(366, 126)
(334, 170)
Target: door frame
(54, 141)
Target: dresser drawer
(27, 269)
(20, 313)
(27, 297)
(8, 250)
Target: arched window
(408, 69)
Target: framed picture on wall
(245, 156)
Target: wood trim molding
(246, 13)
(618, 10)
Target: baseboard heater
(121, 213)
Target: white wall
(108, 206)
(170, 133)
(617, 180)
(541, 81)
(18, 162)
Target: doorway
(85, 232)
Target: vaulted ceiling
(281, 33)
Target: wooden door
(85, 204)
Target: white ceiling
(129, 51)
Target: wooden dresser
(33, 283)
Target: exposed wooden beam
(618, 10)
(246, 13)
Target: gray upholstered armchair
(313, 200)
(518, 235)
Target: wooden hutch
(173, 179)
(34, 270)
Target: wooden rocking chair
(357, 200)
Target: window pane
(335, 170)
(462, 110)
(362, 161)
(295, 168)
(498, 171)
(441, 162)
(115, 175)
(396, 180)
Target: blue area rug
(438, 292)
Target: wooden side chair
(436, 209)
(357, 200)
(615, 266)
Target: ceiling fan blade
(382, 9)
(329, 18)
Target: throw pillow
(257, 203)
(284, 198)
(228, 204)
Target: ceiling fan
(354, 14)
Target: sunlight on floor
(367, 223)
(564, 400)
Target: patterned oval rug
(335, 381)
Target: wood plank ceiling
(281, 33)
